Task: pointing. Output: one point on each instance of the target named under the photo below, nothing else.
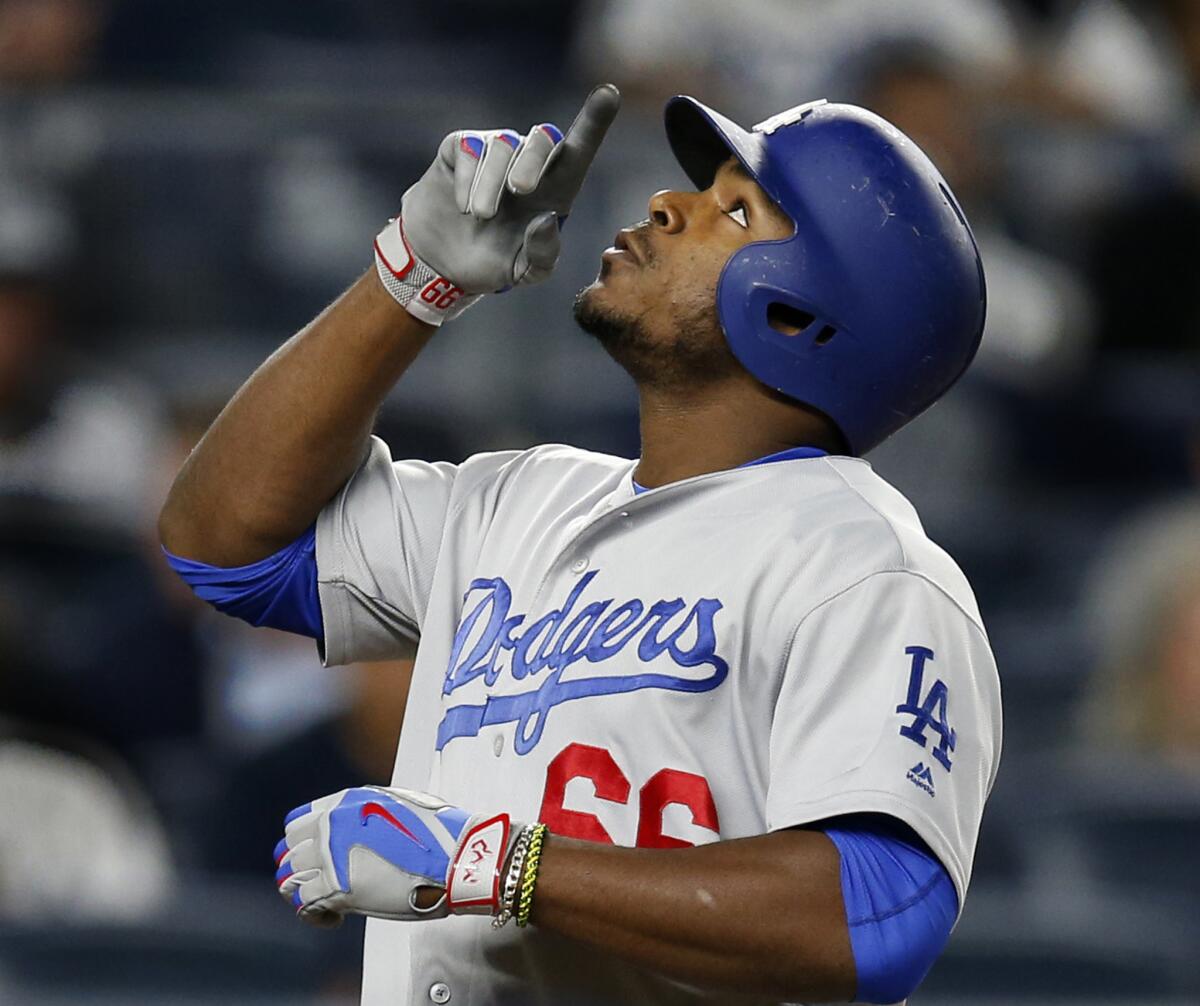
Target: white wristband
(416, 287)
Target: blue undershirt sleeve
(279, 592)
(900, 905)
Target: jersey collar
(791, 454)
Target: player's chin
(599, 308)
(586, 299)
(595, 294)
(603, 297)
(617, 287)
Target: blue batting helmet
(882, 272)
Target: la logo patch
(927, 708)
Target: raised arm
(293, 433)
(484, 217)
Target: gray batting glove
(372, 850)
(486, 215)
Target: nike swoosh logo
(370, 810)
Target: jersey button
(579, 565)
(439, 992)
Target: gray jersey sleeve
(890, 703)
(378, 544)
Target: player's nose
(668, 210)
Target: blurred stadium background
(184, 184)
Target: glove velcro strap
(473, 881)
(415, 286)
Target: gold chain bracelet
(533, 857)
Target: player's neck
(716, 430)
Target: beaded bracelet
(508, 901)
(532, 861)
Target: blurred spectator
(1138, 64)
(77, 840)
(73, 437)
(76, 448)
(1039, 316)
(45, 42)
(78, 444)
(355, 747)
(338, 43)
(754, 58)
(1145, 617)
(263, 686)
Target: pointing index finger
(599, 109)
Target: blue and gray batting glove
(371, 850)
(486, 215)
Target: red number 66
(665, 787)
(441, 293)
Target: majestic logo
(921, 776)
(928, 713)
(490, 642)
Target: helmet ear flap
(783, 338)
(769, 324)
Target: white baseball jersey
(725, 656)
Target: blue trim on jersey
(791, 454)
(279, 591)
(900, 906)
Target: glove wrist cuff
(413, 284)
(473, 882)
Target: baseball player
(714, 724)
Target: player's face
(653, 306)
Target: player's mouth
(624, 249)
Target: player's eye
(738, 215)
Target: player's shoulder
(551, 460)
(855, 524)
(540, 473)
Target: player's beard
(694, 354)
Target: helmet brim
(703, 139)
